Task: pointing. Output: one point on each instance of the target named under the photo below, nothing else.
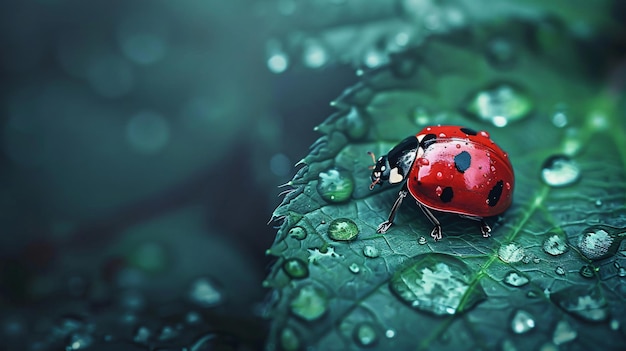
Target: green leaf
(553, 274)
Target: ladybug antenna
(373, 156)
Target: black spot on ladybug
(495, 193)
(446, 194)
(462, 161)
(469, 131)
(419, 182)
(428, 140)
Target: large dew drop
(511, 252)
(598, 242)
(586, 303)
(559, 171)
(436, 283)
(342, 229)
(310, 303)
(500, 105)
(335, 185)
(555, 244)
(370, 251)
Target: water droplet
(370, 251)
(563, 333)
(390, 333)
(204, 292)
(168, 333)
(500, 105)
(342, 229)
(587, 271)
(621, 272)
(421, 240)
(555, 244)
(511, 252)
(310, 303)
(559, 270)
(278, 62)
(354, 268)
(516, 279)
(79, 341)
(142, 335)
(500, 52)
(365, 334)
(598, 242)
(355, 125)
(147, 132)
(193, 317)
(587, 303)
(422, 161)
(598, 203)
(436, 283)
(522, 322)
(559, 119)
(289, 340)
(335, 185)
(614, 324)
(559, 171)
(439, 176)
(315, 55)
(421, 116)
(374, 58)
(297, 233)
(296, 268)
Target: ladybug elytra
(449, 169)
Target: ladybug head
(380, 170)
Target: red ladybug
(449, 169)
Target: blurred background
(141, 145)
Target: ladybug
(449, 169)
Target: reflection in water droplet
(516, 279)
(596, 243)
(204, 293)
(342, 229)
(370, 251)
(511, 252)
(298, 233)
(296, 268)
(500, 105)
(560, 170)
(563, 333)
(147, 132)
(354, 268)
(335, 185)
(555, 244)
(310, 303)
(559, 270)
(587, 271)
(436, 283)
(289, 340)
(390, 333)
(587, 303)
(522, 322)
(365, 334)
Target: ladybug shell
(462, 171)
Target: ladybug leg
(485, 228)
(436, 232)
(384, 226)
